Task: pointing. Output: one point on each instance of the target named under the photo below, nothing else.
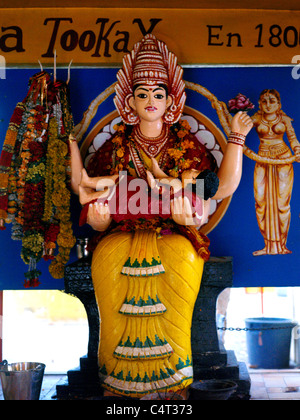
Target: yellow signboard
(101, 36)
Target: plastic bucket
(21, 381)
(269, 342)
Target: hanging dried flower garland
(35, 177)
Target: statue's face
(150, 102)
(269, 103)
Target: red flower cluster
(33, 211)
(51, 233)
(240, 103)
(39, 118)
(37, 150)
(16, 118)
(50, 239)
(32, 279)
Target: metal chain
(251, 329)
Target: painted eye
(142, 95)
(159, 96)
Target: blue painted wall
(237, 234)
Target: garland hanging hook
(69, 71)
(54, 67)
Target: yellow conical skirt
(146, 290)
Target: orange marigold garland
(60, 199)
(178, 151)
(177, 157)
(33, 227)
(6, 160)
(31, 190)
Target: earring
(129, 115)
(131, 118)
(169, 116)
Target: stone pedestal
(210, 360)
(83, 381)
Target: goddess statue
(147, 271)
(273, 183)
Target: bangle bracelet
(72, 138)
(237, 135)
(2, 224)
(237, 138)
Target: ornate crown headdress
(150, 63)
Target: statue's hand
(98, 216)
(241, 123)
(157, 172)
(297, 154)
(182, 212)
(160, 182)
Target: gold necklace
(141, 143)
(152, 146)
(271, 123)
